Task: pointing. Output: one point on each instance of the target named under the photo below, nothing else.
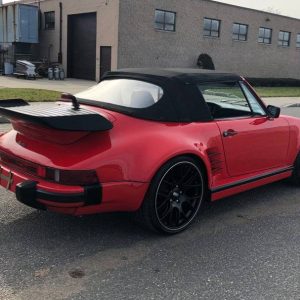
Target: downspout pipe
(60, 32)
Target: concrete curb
(292, 105)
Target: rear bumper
(28, 193)
(74, 200)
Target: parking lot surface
(242, 247)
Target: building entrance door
(105, 60)
(82, 29)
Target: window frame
(165, 23)
(211, 30)
(264, 38)
(239, 34)
(298, 41)
(244, 86)
(281, 42)
(241, 85)
(235, 84)
(47, 20)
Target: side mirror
(274, 111)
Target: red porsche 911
(157, 142)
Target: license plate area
(6, 178)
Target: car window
(255, 106)
(124, 92)
(225, 100)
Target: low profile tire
(295, 178)
(174, 197)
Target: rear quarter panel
(139, 147)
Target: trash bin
(62, 74)
(56, 73)
(50, 73)
(8, 68)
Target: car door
(252, 141)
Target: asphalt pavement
(242, 247)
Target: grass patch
(278, 91)
(31, 95)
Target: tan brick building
(95, 35)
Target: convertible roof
(186, 75)
(182, 100)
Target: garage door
(82, 46)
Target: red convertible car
(157, 142)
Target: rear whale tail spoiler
(55, 116)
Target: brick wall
(140, 45)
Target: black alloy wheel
(175, 196)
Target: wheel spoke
(164, 195)
(162, 204)
(167, 212)
(186, 176)
(191, 185)
(170, 219)
(168, 183)
(177, 217)
(189, 204)
(190, 179)
(184, 215)
(192, 198)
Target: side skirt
(250, 183)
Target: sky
(284, 7)
(289, 8)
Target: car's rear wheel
(174, 197)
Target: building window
(239, 32)
(298, 41)
(49, 20)
(165, 20)
(284, 38)
(212, 27)
(265, 35)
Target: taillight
(70, 177)
(67, 177)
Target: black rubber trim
(92, 194)
(27, 193)
(250, 180)
(60, 198)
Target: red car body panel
(255, 135)
(127, 157)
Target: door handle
(229, 132)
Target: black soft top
(182, 100)
(185, 75)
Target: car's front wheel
(174, 197)
(295, 178)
